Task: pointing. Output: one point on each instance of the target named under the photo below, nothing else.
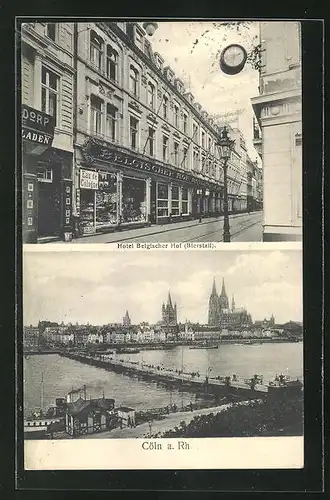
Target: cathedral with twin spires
(224, 316)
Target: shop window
(185, 123)
(176, 153)
(175, 209)
(96, 50)
(44, 174)
(133, 81)
(151, 95)
(176, 115)
(134, 206)
(151, 141)
(87, 208)
(96, 115)
(51, 31)
(112, 63)
(50, 92)
(134, 132)
(184, 209)
(162, 200)
(111, 122)
(106, 200)
(165, 148)
(165, 107)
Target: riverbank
(157, 426)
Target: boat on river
(124, 350)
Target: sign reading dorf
(37, 127)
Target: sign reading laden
(89, 179)
(37, 127)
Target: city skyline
(88, 287)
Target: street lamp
(225, 145)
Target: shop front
(117, 189)
(47, 180)
(106, 200)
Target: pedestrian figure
(191, 406)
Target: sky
(98, 287)
(199, 62)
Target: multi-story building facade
(145, 151)
(278, 132)
(47, 77)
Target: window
(44, 174)
(165, 148)
(151, 95)
(134, 130)
(175, 201)
(176, 152)
(162, 200)
(165, 107)
(176, 115)
(151, 141)
(195, 133)
(185, 157)
(133, 80)
(111, 121)
(184, 209)
(96, 115)
(195, 159)
(49, 92)
(210, 144)
(138, 39)
(96, 50)
(51, 31)
(112, 64)
(203, 139)
(203, 164)
(185, 123)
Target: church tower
(214, 309)
(169, 312)
(126, 320)
(233, 304)
(223, 299)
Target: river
(60, 375)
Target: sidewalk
(128, 234)
(168, 423)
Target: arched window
(151, 95)
(96, 50)
(112, 63)
(133, 80)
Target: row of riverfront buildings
(112, 138)
(223, 321)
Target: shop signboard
(89, 179)
(98, 152)
(37, 130)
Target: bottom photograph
(162, 344)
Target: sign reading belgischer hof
(37, 129)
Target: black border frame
(311, 477)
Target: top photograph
(167, 131)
